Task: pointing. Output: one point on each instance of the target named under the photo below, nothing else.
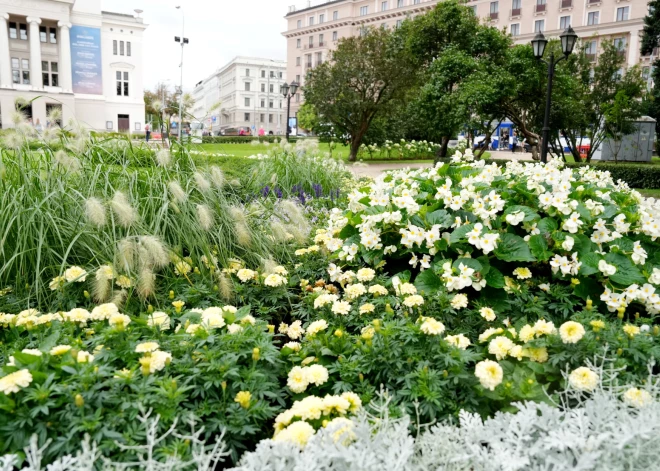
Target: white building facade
(244, 94)
(69, 54)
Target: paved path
(361, 169)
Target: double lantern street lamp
(288, 91)
(568, 40)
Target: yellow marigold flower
(631, 330)
(119, 320)
(84, 357)
(60, 350)
(297, 380)
(123, 282)
(246, 275)
(368, 332)
(297, 433)
(583, 379)
(459, 301)
(489, 333)
(57, 283)
(637, 397)
(354, 401)
(316, 327)
(431, 326)
(316, 374)
(274, 280)
(182, 268)
(413, 301)
(571, 332)
(597, 325)
(487, 313)
(367, 308)
(243, 398)
(539, 355)
(377, 290)
(522, 273)
(178, 305)
(146, 347)
(76, 274)
(365, 274)
(543, 327)
(489, 373)
(500, 347)
(459, 341)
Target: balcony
(309, 65)
(321, 44)
(540, 8)
(594, 2)
(591, 57)
(494, 15)
(566, 4)
(515, 12)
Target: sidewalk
(364, 169)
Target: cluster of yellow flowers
(30, 318)
(292, 425)
(302, 376)
(153, 359)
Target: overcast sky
(218, 30)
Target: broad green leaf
(547, 225)
(512, 248)
(468, 262)
(440, 217)
(529, 213)
(539, 248)
(626, 272)
(588, 288)
(427, 282)
(494, 278)
(460, 232)
(589, 264)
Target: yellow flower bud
(255, 354)
(656, 330)
(150, 309)
(224, 385)
(271, 329)
(621, 311)
(445, 373)
(619, 351)
(196, 271)
(79, 400)
(173, 384)
(339, 333)
(376, 324)
(530, 381)
(637, 315)
(575, 281)
(361, 376)
(325, 423)
(590, 304)
(86, 294)
(171, 294)
(388, 309)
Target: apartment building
(71, 55)
(314, 29)
(247, 90)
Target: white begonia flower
(572, 223)
(568, 243)
(515, 218)
(606, 268)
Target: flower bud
(361, 376)
(619, 351)
(339, 333)
(271, 329)
(621, 311)
(171, 294)
(224, 385)
(255, 354)
(590, 304)
(656, 330)
(79, 400)
(86, 294)
(150, 309)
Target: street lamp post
(568, 40)
(183, 42)
(285, 89)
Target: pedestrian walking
(147, 132)
(261, 131)
(514, 142)
(38, 127)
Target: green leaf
(589, 264)
(539, 248)
(494, 278)
(428, 282)
(529, 213)
(588, 288)
(468, 262)
(547, 225)
(459, 233)
(49, 342)
(440, 217)
(626, 272)
(512, 248)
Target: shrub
(245, 139)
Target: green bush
(243, 139)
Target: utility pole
(183, 40)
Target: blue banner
(86, 65)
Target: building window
(515, 29)
(297, 60)
(247, 117)
(620, 44)
(321, 18)
(311, 21)
(564, 22)
(399, 23)
(272, 89)
(121, 48)
(49, 74)
(416, 2)
(263, 74)
(13, 32)
(622, 13)
(20, 70)
(272, 74)
(247, 86)
(299, 24)
(128, 48)
(270, 104)
(335, 15)
(515, 6)
(320, 40)
(53, 35)
(43, 34)
(247, 102)
(364, 10)
(297, 78)
(383, 6)
(263, 103)
(281, 102)
(319, 58)
(298, 43)
(247, 72)
(297, 97)
(270, 118)
(122, 83)
(399, 3)
(334, 35)
(539, 26)
(262, 118)
(279, 74)
(494, 8)
(23, 32)
(263, 87)
(114, 47)
(590, 49)
(474, 9)
(593, 18)
(311, 41)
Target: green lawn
(650, 193)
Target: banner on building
(86, 65)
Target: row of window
(20, 31)
(321, 42)
(593, 17)
(271, 87)
(308, 59)
(384, 6)
(20, 72)
(271, 103)
(262, 118)
(539, 25)
(121, 48)
(263, 74)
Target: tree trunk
(442, 152)
(355, 147)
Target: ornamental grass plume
(279, 231)
(177, 192)
(126, 254)
(67, 162)
(238, 214)
(202, 183)
(163, 158)
(54, 115)
(18, 117)
(146, 286)
(125, 213)
(243, 235)
(225, 287)
(13, 141)
(294, 213)
(95, 211)
(205, 217)
(217, 177)
(119, 298)
(154, 253)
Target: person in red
(262, 132)
(241, 132)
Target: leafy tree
(619, 117)
(651, 40)
(308, 118)
(365, 76)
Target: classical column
(633, 48)
(35, 52)
(65, 57)
(5, 59)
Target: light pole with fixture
(183, 42)
(568, 40)
(285, 89)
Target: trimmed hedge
(643, 176)
(244, 139)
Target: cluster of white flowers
(302, 376)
